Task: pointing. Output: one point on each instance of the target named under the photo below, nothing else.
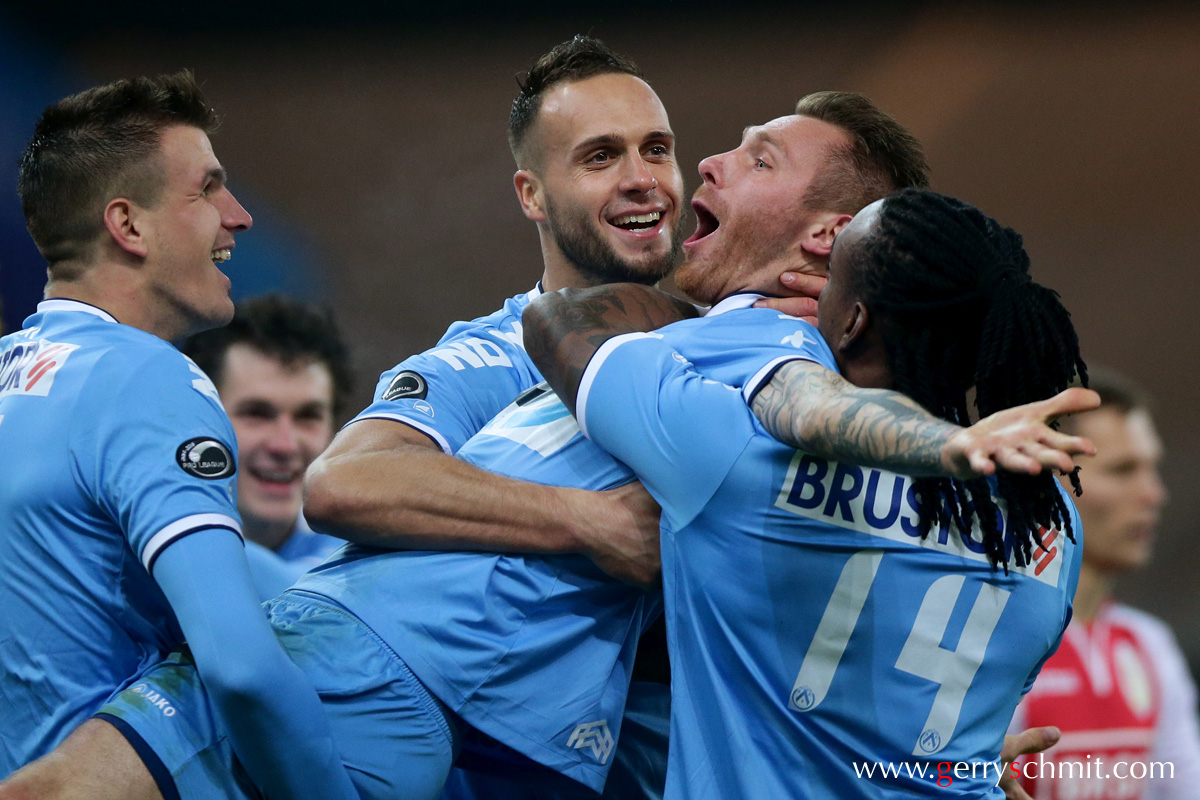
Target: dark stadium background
(367, 138)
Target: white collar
(63, 304)
(733, 302)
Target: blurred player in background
(823, 614)
(283, 373)
(119, 535)
(1119, 686)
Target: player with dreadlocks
(858, 616)
(957, 309)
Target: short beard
(595, 258)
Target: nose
(233, 216)
(1154, 491)
(283, 439)
(637, 177)
(711, 169)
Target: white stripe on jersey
(752, 386)
(589, 372)
(186, 525)
(423, 428)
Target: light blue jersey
(811, 628)
(112, 446)
(535, 652)
(451, 391)
(274, 571)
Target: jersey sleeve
(451, 391)
(681, 432)
(158, 455)
(1177, 740)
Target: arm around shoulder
(385, 484)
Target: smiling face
(283, 419)
(752, 221)
(1123, 493)
(189, 230)
(603, 183)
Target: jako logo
(155, 699)
(597, 736)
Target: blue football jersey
(535, 652)
(450, 391)
(812, 629)
(112, 445)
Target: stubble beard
(597, 261)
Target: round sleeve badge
(205, 457)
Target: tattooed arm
(814, 409)
(564, 329)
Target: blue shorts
(639, 770)
(397, 741)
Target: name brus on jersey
(28, 368)
(884, 504)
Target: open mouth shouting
(222, 254)
(706, 224)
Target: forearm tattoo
(563, 330)
(814, 409)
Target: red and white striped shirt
(1120, 691)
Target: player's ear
(125, 222)
(854, 333)
(530, 194)
(818, 239)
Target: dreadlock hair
(96, 145)
(957, 310)
(574, 60)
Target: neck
(1094, 588)
(108, 286)
(560, 273)
(270, 534)
(868, 372)
(765, 279)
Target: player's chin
(690, 278)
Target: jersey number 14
(922, 654)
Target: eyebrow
(612, 138)
(763, 136)
(217, 175)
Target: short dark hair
(96, 145)
(1117, 392)
(882, 157)
(292, 332)
(574, 60)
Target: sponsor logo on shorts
(205, 457)
(29, 368)
(406, 384)
(595, 735)
(155, 699)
